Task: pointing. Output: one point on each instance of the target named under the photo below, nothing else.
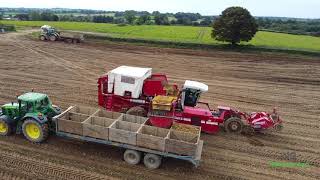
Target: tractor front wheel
(5, 128)
(233, 125)
(42, 38)
(34, 131)
(137, 111)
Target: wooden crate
(107, 114)
(133, 119)
(182, 143)
(84, 110)
(124, 132)
(72, 123)
(97, 127)
(152, 137)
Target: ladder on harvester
(109, 103)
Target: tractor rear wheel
(233, 125)
(137, 111)
(5, 128)
(35, 132)
(53, 38)
(152, 161)
(132, 157)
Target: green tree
(130, 16)
(35, 16)
(143, 19)
(161, 19)
(234, 25)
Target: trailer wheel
(137, 111)
(233, 125)
(35, 132)
(5, 128)
(53, 38)
(132, 157)
(152, 161)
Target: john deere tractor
(31, 115)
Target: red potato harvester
(138, 91)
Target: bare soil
(251, 82)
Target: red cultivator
(137, 91)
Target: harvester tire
(42, 38)
(152, 161)
(247, 130)
(132, 157)
(233, 125)
(53, 38)
(137, 111)
(35, 132)
(5, 128)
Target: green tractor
(31, 115)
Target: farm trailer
(131, 133)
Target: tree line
(286, 25)
(126, 17)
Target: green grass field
(200, 35)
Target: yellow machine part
(163, 102)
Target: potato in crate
(182, 143)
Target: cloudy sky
(283, 8)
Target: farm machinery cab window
(127, 79)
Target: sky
(279, 8)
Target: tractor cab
(191, 92)
(34, 103)
(46, 29)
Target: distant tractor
(31, 115)
(48, 33)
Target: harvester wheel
(34, 131)
(247, 130)
(132, 157)
(152, 161)
(5, 128)
(53, 38)
(42, 38)
(137, 111)
(233, 125)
